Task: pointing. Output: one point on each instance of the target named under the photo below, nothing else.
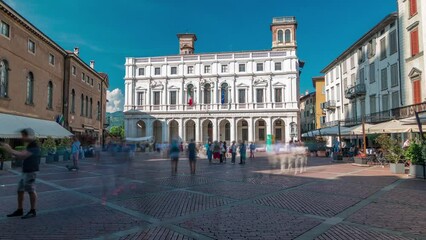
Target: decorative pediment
(141, 88)
(414, 73)
(278, 84)
(173, 87)
(260, 82)
(242, 85)
(157, 85)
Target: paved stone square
(140, 199)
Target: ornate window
(224, 93)
(82, 105)
(87, 107)
(30, 88)
(73, 101)
(207, 93)
(90, 108)
(287, 36)
(98, 109)
(4, 78)
(50, 95)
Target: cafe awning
(356, 130)
(393, 126)
(11, 125)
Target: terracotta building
(40, 80)
(319, 85)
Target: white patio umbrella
(332, 131)
(413, 120)
(356, 130)
(312, 133)
(393, 126)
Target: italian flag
(190, 100)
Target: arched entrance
(279, 130)
(173, 130)
(189, 130)
(260, 131)
(225, 131)
(141, 128)
(207, 132)
(242, 130)
(157, 131)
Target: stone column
(197, 131)
(233, 129)
(149, 127)
(165, 131)
(251, 128)
(181, 129)
(215, 130)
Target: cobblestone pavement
(139, 199)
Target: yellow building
(319, 85)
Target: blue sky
(107, 31)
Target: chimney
(76, 51)
(92, 64)
(186, 43)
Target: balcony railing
(329, 124)
(214, 107)
(284, 20)
(329, 105)
(355, 91)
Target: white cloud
(115, 100)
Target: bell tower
(186, 43)
(283, 33)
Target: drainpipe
(400, 58)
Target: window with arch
(98, 111)
(73, 101)
(50, 95)
(87, 107)
(4, 78)
(30, 88)
(82, 105)
(90, 108)
(224, 93)
(287, 36)
(207, 93)
(190, 94)
(280, 36)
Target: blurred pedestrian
(30, 166)
(192, 155)
(209, 151)
(98, 149)
(75, 153)
(224, 151)
(243, 152)
(233, 151)
(216, 150)
(174, 156)
(252, 149)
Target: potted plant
(49, 146)
(392, 151)
(321, 148)
(5, 160)
(361, 158)
(416, 154)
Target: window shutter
(414, 42)
(413, 7)
(417, 93)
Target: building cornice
(360, 42)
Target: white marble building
(250, 95)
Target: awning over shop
(11, 125)
(413, 120)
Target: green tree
(117, 131)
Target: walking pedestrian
(181, 147)
(75, 153)
(252, 149)
(209, 151)
(192, 156)
(30, 166)
(98, 149)
(243, 151)
(174, 156)
(233, 151)
(225, 151)
(216, 150)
